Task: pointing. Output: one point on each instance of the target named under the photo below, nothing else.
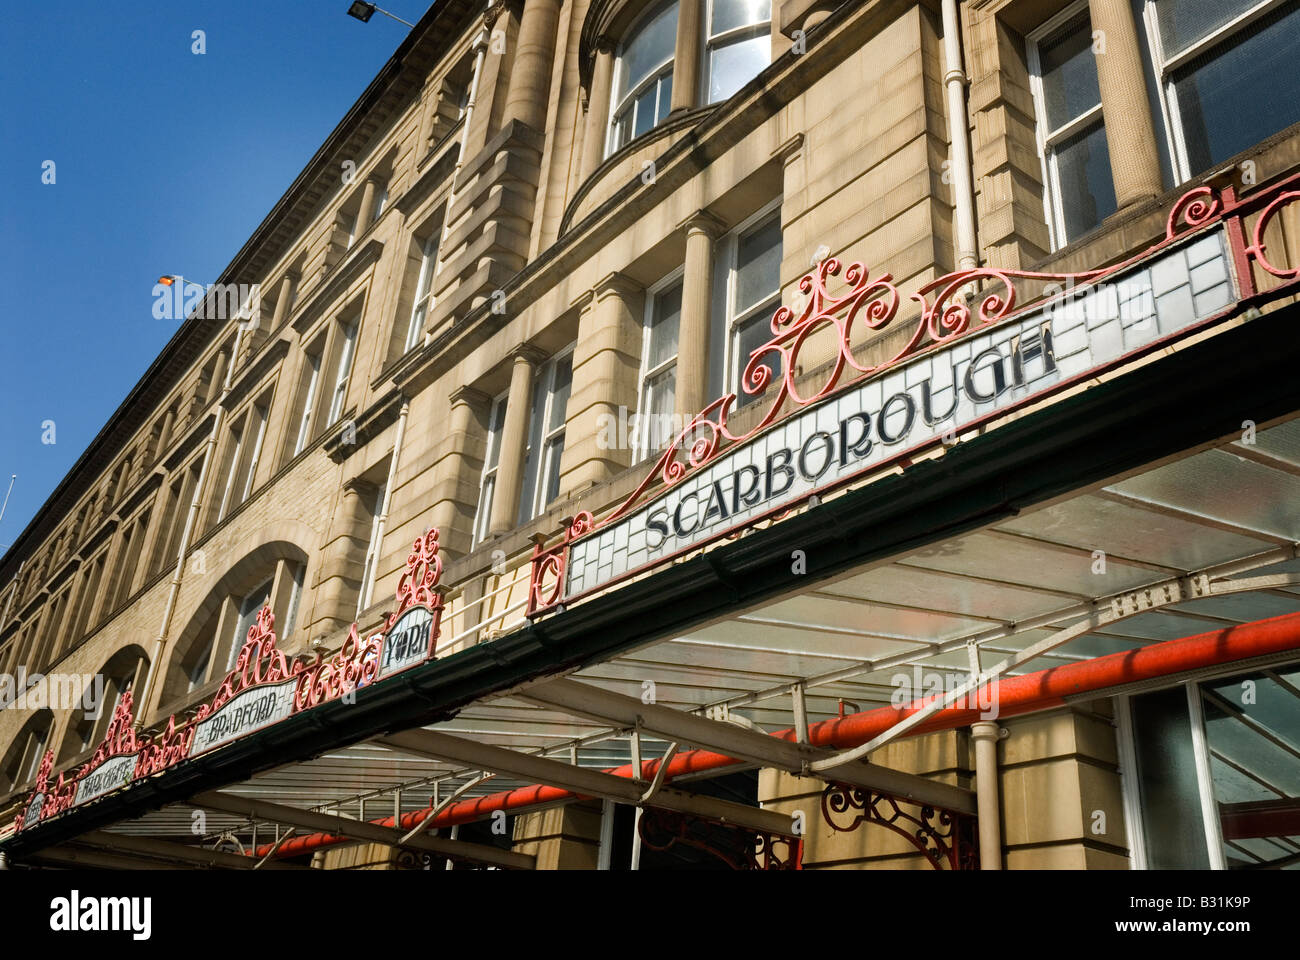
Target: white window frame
(423, 290)
(1166, 66)
(343, 376)
(1127, 749)
(534, 500)
(381, 200)
(653, 77)
(483, 515)
(643, 450)
(711, 42)
(1048, 140)
(733, 364)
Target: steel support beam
(169, 850)
(358, 829)
(606, 706)
(579, 780)
(74, 856)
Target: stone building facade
(546, 236)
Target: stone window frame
(1047, 140)
(1164, 69)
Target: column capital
(359, 487)
(527, 353)
(472, 396)
(701, 221)
(618, 284)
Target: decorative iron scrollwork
(940, 835)
(738, 847)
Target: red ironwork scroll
(951, 307)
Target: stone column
(702, 232)
(458, 451)
(367, 205)
(606, 362)
(514, 438)
(530, 77)
(282, 299)
(593, 142)
(686, 57)
(1130, 133)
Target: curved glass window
(738, 44)
(643, 77)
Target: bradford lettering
(236, 720)
(987, 376)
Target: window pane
(560, 393)
(1183, 22)
(554, 451)
(734, 65)
(1230, 100)
(655, 428)
(1166, 774)
(664, 322)
(751, 335)
(1069, 72)
(758, 264)
(494, 434)
(650, 45)
(665, 96)
(484, 508)
(1087, 190)
(1252, 730)
(645, 111)
(729, 14)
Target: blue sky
(165, 162)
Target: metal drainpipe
(142, 704)
(954, 79)
(480, 51)
(388, 491)
(986, 735)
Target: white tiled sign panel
(915, 402)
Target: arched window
(207, 648)
(124, 671)
(643, 76)
(732, 45)
(23, 758)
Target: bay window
(738, 44)
(643, 76)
